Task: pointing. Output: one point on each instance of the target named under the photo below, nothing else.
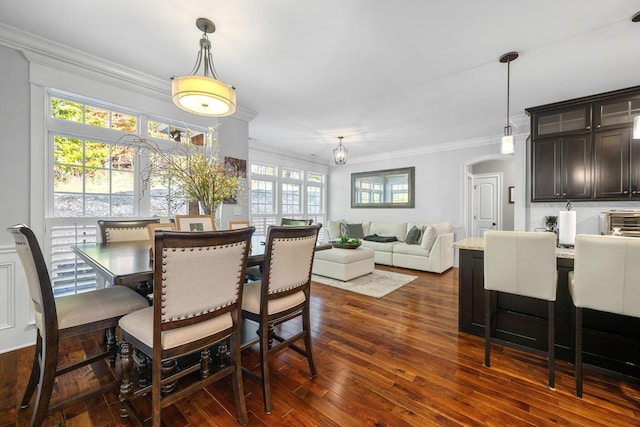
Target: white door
(485, 203)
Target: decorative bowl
(346, 245)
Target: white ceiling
(386, 75)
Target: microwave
(623, 223)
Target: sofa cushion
(428, 237)
(406, 249)
(398, 229)
(414, 236)
(378, 246)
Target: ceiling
(387, 76)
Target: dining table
(130, 263)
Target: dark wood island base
(611, 342)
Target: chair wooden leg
(306, 326)
(49, 364)
(156, 391)
(35, 373)
(238, 390)
(126, 386)
(110, 338)
(264, 366)
(487, 328)
(578, 366)
(551, 344)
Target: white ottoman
(343, 264)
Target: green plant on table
(345, 240)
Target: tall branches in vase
(195, 172)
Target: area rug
(377, 284)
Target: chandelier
(340, 153)
(205, 95)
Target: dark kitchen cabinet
(617, 165)
(562, 168)
(582, 149)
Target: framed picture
(237, 167)
(195, 222)
(511, 194)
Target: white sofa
(433, 253)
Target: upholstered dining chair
(521, 263)
(605, 277)
(113, 230)
(295, 222)
(61, 318)
(282, 295)
(197, 298)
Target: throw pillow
(413, 236)
(355, 231)
(334, 229)
(428, 238)
(343, 229)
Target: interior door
(485, 203)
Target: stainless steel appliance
(618, 222)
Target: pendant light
(340, 153)
(508, 146)
(205, 95)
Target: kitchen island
(611, 341)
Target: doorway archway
(489, 164)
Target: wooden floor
(394, 361)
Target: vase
(217, 213)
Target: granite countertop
(477, 244)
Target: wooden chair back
(295, 222)
(112, 231)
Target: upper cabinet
(562, 121)
(582, 149)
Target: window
(93, 176)
(278, 192)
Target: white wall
(439, 186)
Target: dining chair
(604, 278)
(199, 279)
(61, 318)
(295, 222)
(114, 230)
(282, 295)
(520, 263)
(195, 222)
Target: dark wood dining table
(129, 263)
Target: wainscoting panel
(16, 321)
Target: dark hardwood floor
(394, 361)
